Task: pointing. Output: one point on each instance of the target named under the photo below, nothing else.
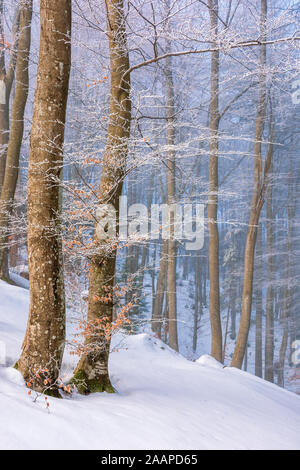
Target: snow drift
(163, 402)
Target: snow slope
(163, 402)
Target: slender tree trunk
(92, 374)
(17, 125)
(259, 189)
(160, 290)
(269, 340)
(6, 81)
(185, 271)
(232, 302)
(152, 270)
(258, 319)
(284, 341)
(196, 307)
(172, 248)
(287, 302)
(45, 335)
(214, 288)
(225, 335)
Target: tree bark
(45, 335)
(91, 374)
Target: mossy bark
(86, 385)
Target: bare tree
(259, 189)
(92, 373)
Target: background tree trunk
(259, 304)
(287, 301)
(160, 290)
(17, 125)
(6, 81)
(269, 342)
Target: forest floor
(164, 401)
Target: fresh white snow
(164, 401)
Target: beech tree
(92, 373)
(43, 345)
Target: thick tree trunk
(214, 288)
(17, 126)
(91, 374)
(256, 205)
(45, 335)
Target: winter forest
(149, 224)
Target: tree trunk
(287, 303)
(284, 341)
(45, 335)
(214, 288)
(160, 291)
(258, 319)
(91, 374)
(6, 81)
(257, 202)
(17, 126)
(171, 185)
(269, 340)
(196, 307)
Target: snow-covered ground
(164, 401)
